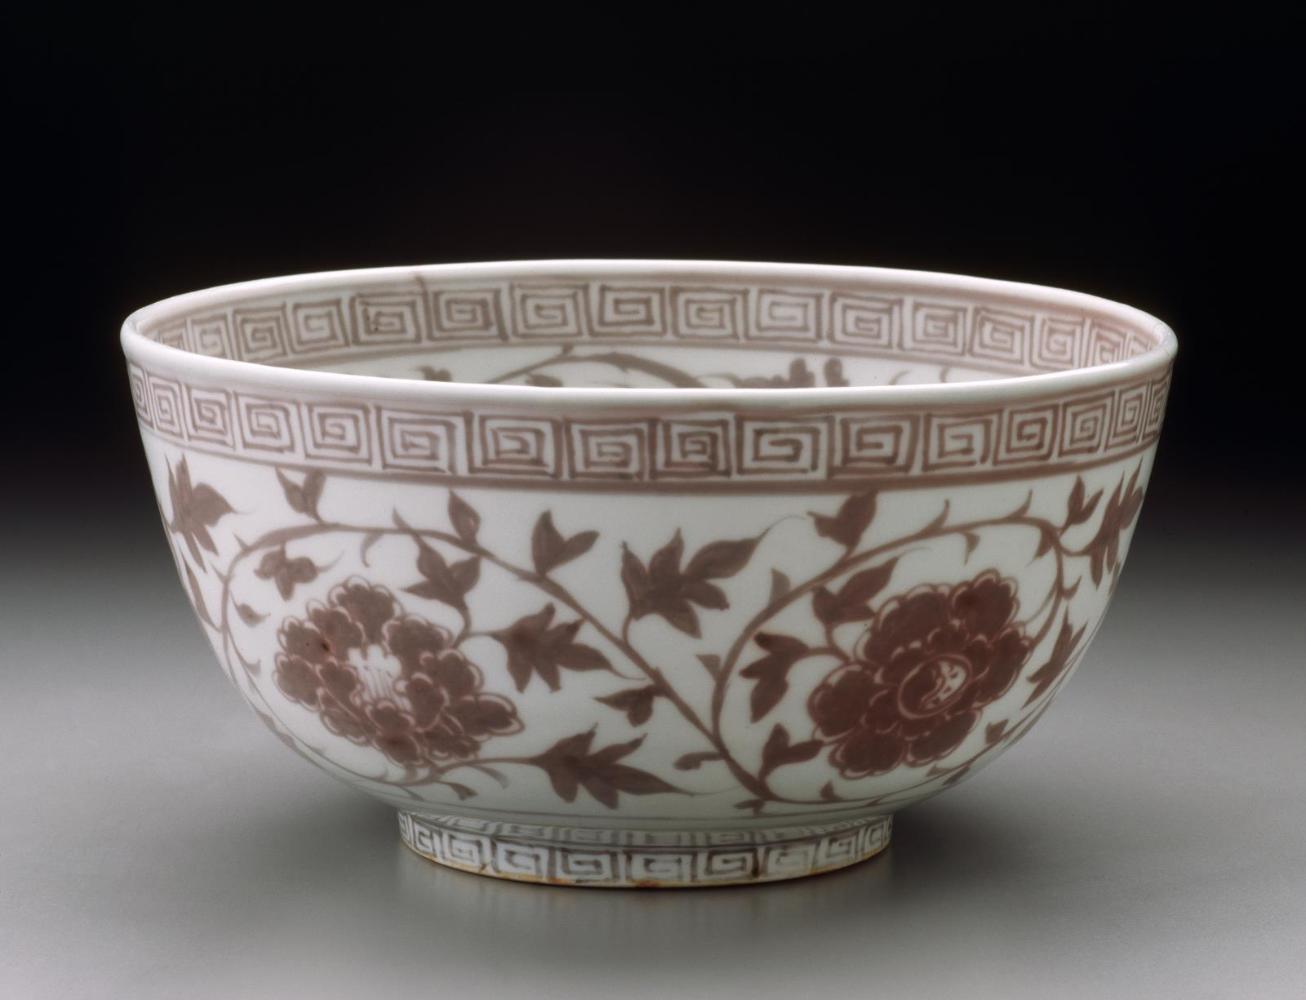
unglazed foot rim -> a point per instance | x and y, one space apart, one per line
622 859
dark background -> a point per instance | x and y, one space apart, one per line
1154 163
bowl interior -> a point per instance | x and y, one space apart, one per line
620 325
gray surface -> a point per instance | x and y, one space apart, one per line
1149 838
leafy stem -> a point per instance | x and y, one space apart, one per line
675 586
542 582
850 560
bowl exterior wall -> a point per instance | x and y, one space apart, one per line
692 619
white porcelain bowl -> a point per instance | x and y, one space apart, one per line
648 572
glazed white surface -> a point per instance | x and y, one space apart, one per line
721 595
644 523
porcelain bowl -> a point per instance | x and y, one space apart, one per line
648 573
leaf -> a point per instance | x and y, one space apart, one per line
834 376
615 778
825 606
494 773
272 561
576 546
1064 651
693 761
557 763
776 745
1023 509
972 540
664 567
369 540
778 751
719 560
197 597
1079 510
1047 538
680 616
771 672
536 646
780 586
663 588
579 657
711 661
549 549
540 379
1028 724
637 703
755 805
462 791
439 582
850 522
466 522
466 573
956 776
704 594
616 751
853 600
546 543
284 571
275 730
195 509
314 482
294 493
828 793
249 616
207 504
864 586
940 520
435 374
993 731
524 641
1121 510
634 577
570 766
1075 503
303 498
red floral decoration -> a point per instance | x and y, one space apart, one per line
920 675
393 681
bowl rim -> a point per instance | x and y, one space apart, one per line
218 370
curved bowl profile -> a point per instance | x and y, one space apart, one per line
648 572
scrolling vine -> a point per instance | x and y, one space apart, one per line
914 670
797 376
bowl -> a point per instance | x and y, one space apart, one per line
648 573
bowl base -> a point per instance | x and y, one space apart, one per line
625 859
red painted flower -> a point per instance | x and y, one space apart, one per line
930 661
393 681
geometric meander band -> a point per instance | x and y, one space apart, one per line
709 450
620 858
876 315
